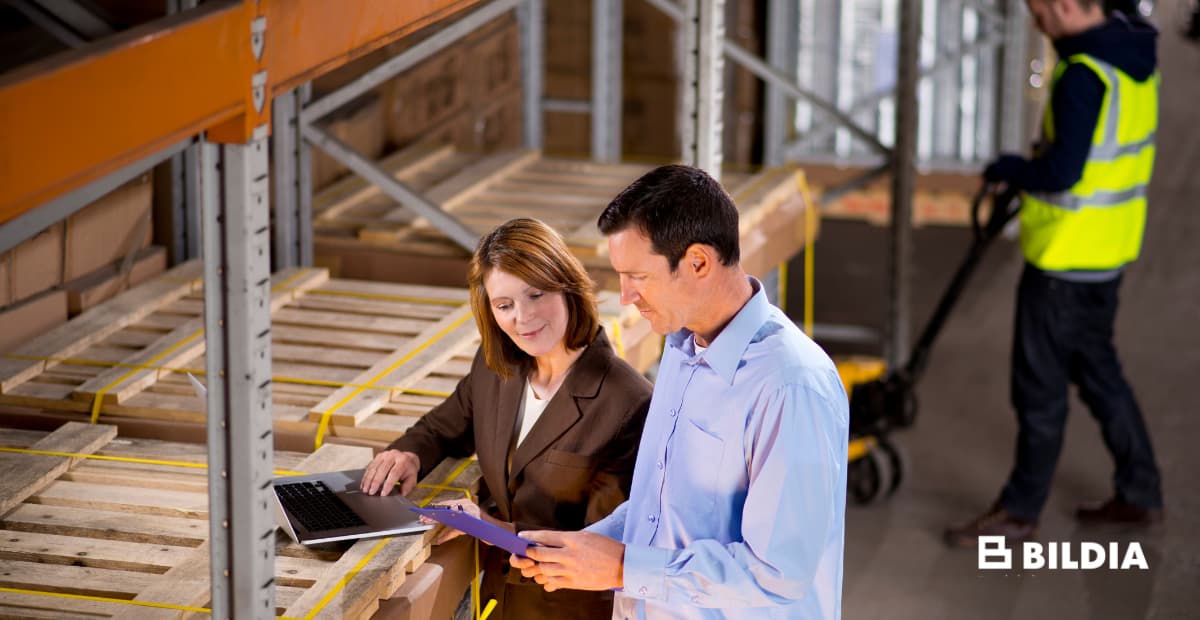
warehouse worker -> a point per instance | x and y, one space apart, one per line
1083 208
737 508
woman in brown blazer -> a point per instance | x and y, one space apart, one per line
553 414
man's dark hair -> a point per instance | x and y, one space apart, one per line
676 206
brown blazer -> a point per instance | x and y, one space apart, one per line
573 468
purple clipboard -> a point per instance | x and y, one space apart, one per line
476 527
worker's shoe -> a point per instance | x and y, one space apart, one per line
995 522
1116 511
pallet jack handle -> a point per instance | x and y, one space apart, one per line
1004 207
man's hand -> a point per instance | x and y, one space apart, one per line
1003 168
388 468
574 560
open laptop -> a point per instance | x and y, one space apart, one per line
327 507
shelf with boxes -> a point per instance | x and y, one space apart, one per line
360 232
79 262
126 534
355 360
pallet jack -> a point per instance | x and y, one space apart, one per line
883 400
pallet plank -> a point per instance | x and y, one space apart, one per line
98 323
95 553
183 344
438 343
22 475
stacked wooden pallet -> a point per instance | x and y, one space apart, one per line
361 233
128 538
358 360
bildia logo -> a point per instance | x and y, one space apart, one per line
995 555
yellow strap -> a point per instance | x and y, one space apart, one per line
328 413
341 583
129 459
276 378
810 231
616 337
100 394
395 298
324 600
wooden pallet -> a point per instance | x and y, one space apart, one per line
138 532
360 232
375 355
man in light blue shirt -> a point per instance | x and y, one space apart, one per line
738 502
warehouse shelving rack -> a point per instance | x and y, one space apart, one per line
204 88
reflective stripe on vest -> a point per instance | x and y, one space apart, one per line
1097 224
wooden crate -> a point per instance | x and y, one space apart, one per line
375 356
138 532
361 233
940 198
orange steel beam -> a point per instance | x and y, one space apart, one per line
81 115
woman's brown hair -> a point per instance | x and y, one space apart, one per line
535 253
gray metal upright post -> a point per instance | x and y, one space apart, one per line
1014 72
606 80
237 322
904 154
704 64
292 179
185 185
781 54
531 15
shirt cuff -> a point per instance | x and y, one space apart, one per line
645 572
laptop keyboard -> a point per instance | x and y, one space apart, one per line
316 507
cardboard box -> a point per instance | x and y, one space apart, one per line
650 126
32 318
425 96
106 282
652 43
110 228
358 124
497 125
566 133
494 55
36 264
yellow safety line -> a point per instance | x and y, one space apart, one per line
810 214
100 394
328 413
616 336
129 459
276 378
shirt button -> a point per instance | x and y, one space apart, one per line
660 464
651 518
696 600
673 412
643 591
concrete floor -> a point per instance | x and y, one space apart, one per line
961 448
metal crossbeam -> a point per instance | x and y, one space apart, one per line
406 59
606 80
401 193
69 21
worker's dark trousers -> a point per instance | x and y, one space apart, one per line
1064 334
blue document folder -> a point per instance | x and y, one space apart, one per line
483 530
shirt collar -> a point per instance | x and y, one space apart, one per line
724 353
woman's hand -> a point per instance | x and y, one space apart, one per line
469 507
388 468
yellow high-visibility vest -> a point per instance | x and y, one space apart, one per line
1097 224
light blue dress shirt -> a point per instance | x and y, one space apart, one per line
739 493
